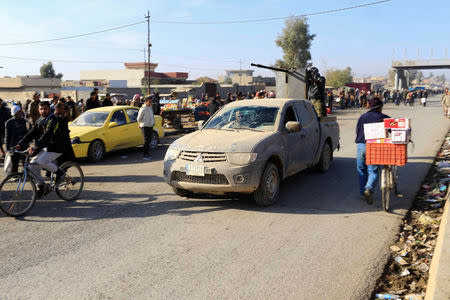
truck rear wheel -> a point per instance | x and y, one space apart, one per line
269 187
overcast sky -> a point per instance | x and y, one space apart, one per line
366 39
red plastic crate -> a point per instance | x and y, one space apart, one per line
386 154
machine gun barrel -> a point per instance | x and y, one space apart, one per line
271 68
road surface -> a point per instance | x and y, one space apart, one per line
131 237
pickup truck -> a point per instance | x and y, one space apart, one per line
249 147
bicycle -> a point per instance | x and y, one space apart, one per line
18 192
388 182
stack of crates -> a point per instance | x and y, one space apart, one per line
386 154
386 142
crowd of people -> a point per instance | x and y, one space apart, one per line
354 98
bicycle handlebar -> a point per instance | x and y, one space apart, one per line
21 152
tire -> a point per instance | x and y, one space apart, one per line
385 195
182 192
72 182
269 187
176 123
9 198
96 150
325 158
154 141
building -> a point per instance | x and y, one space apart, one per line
21 88
134 75
241 77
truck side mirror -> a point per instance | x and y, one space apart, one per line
293 126
200 124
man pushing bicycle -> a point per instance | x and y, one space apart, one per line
49 144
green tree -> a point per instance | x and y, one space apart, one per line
47 71
338 78
295 41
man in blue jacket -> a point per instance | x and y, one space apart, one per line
368 175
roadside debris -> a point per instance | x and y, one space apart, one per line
406 273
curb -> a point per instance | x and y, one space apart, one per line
438 286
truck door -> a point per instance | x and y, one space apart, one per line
293 143
310 133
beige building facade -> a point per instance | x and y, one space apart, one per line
21 88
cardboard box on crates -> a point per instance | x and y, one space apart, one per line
399 136
374 131
400 123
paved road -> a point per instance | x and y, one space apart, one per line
131 237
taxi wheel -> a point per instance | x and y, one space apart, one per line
154 141
96 150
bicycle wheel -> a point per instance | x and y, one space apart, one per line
17 196
71 183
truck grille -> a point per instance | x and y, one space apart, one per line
207 179
205 156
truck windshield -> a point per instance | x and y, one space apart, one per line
260 118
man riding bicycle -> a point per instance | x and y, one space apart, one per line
48 144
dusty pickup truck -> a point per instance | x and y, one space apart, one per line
249 146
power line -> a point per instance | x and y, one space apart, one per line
61 60
72 36
272 19
193 23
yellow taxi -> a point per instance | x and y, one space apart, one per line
107 129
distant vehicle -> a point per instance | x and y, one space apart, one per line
107 129
249 146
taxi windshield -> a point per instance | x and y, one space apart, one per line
258 118
91 118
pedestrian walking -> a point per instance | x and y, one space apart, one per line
445 101
368 175
15 130
146 122
33 111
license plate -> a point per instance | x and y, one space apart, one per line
195 170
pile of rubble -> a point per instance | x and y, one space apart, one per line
406 274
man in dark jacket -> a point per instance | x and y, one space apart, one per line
368 175
62 135
47 148
92 102
71 109
16 129
213 106
156 105
107 101
5 114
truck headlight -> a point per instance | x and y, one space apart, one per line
171 154
241 158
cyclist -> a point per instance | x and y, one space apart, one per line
368 175
46 147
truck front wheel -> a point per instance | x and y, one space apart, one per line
269 187
325 158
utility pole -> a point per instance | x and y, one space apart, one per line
148 53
